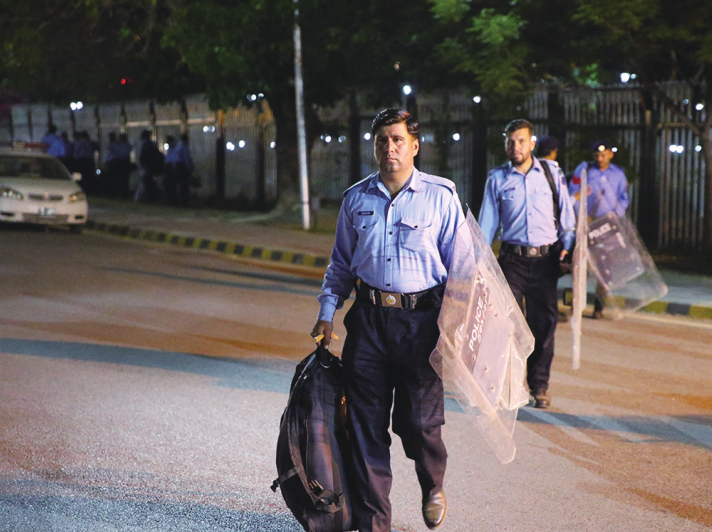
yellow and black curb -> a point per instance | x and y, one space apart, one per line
656 307
219 246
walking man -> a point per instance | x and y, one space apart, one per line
536 234
607 192
394 243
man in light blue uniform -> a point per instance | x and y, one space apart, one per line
607 192
55 145
536 235
394 244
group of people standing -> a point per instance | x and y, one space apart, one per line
114 178
394 244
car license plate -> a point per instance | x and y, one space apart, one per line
47 211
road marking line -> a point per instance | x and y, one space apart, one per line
559 423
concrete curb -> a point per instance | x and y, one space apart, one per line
305 259
661 307
219 246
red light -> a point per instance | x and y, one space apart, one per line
123 81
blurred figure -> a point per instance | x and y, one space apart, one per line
54 143
85 162
151 160
607 192
169 178
117 166
180 162
68 158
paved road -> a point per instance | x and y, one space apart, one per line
141 387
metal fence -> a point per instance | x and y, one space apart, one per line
459 140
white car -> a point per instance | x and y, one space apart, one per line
36 188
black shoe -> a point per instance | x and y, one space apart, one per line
434 510
541 400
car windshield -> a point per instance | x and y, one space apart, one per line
13 166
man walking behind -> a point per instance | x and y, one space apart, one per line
536 233
394 243
607 192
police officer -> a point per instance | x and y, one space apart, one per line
117 163
607 192
179 166
54 143
519 200
394 243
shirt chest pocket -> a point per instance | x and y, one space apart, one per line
509 194
416 234
366 228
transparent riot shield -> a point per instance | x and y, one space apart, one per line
484 341
579 274
627 276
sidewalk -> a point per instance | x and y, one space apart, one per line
263 236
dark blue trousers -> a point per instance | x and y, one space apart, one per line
533 282
386 358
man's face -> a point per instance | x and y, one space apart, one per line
395 149
519 145
603 158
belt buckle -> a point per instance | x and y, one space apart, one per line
533 252
389 300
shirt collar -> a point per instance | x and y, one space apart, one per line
536 165
414 183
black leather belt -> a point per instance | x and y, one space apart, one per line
526 251
427 299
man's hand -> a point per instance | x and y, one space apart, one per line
323 327
563 254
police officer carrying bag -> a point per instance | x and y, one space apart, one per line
313 448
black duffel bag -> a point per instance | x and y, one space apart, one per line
313 448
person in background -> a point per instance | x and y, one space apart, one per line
68 158
183 169
85 162
54 143
151 161
394 242
519 200
548 148
169 176
607 192
123 151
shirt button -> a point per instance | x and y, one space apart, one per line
389 284
389 260
390 232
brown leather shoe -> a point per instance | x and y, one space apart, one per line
541 400
434 510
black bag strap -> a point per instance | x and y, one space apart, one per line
554 193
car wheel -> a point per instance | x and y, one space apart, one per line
76 229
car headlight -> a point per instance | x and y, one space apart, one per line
10 193
77 196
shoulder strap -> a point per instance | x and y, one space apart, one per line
554 193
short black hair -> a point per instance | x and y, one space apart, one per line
517 124
391 116
546 145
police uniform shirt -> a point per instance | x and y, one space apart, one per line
609 189
522 205
400 245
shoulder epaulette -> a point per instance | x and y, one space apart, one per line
358 183
437 180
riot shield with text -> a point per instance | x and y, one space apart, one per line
484 341
627 276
